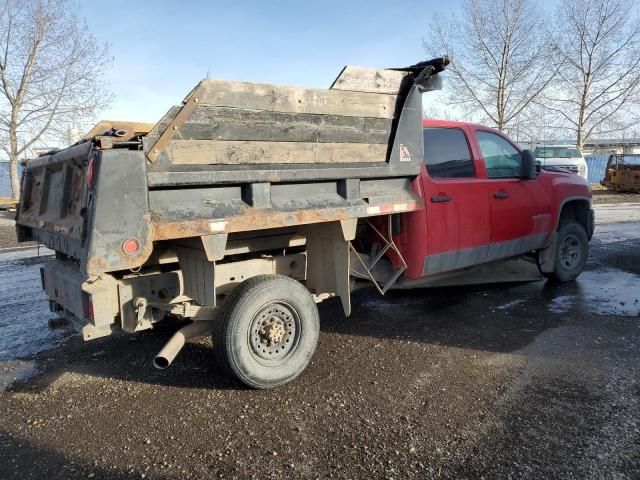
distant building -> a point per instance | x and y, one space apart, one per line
613 145
603 146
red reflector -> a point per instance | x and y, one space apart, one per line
131 246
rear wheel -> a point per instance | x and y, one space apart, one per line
269 331
571 252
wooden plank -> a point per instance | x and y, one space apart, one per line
161 126
190 103
277 98
204 152
223 123
105 125
363 79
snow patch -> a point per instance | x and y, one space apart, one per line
618 212
603 292
562 304
511 304
616 232
611 292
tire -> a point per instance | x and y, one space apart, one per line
571 252
268 331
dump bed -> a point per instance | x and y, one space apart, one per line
232 157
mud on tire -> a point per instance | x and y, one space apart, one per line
268 331
571 252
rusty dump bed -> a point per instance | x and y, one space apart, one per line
232 157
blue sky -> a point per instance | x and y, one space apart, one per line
163 48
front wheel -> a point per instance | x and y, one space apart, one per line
571 253
268 332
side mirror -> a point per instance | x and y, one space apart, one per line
528 166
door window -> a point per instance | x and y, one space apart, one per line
501 159
446 153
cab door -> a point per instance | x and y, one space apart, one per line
518 222
457 213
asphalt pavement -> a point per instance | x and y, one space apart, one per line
518 380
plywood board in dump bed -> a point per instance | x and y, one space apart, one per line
234 123
364 79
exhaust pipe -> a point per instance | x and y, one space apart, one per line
168 353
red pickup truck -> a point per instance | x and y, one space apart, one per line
480 207
247 204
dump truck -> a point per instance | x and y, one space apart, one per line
247 204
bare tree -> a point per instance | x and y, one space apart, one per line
435 107
50 74
500 57
599 91
538 125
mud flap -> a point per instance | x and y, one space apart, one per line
330 240
591 223
547 256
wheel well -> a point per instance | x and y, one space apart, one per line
575 210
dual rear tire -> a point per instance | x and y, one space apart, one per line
268 331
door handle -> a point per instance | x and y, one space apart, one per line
501 195
441 198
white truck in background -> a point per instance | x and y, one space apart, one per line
567 157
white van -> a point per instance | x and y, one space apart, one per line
568 157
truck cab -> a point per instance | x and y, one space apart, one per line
567 157
480 206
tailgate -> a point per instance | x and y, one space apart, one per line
53 200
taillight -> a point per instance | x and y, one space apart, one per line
89 307
91 169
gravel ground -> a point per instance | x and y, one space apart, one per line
607 196
8 231
7 236
527 380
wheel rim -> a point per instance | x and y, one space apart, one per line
275 333
570 254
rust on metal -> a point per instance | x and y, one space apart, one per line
623 173
165 137
258 219
97 264
62 216
274 332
